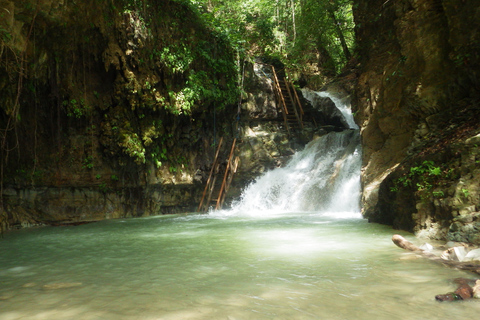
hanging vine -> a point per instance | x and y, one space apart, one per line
13 113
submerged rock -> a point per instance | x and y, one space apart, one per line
29 285
61 285
426 247
463 292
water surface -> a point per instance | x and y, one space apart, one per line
281 266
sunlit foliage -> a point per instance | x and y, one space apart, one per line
296 31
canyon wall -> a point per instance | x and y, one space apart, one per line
108 108
417 102
114 109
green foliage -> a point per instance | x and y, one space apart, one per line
103 188
438 194
325 32
88 162
426 176
5 35
461 59
196 58
133 146
29 176
198 55
296 31
158 154
427 167
76 108
177 57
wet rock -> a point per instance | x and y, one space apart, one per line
475 140
328 114
455 253
407 115
472 255
426 247
463 292
476 290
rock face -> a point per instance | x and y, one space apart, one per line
107 108
114 109
264 141
417 105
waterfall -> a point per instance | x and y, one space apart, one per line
343 105
324 177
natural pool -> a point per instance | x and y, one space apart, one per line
279 266
294 247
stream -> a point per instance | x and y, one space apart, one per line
294 246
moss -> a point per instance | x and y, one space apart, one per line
125 73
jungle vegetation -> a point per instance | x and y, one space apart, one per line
49 74
300 33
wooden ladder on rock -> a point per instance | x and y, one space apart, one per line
215 187
287 97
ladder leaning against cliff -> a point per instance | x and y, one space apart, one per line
230 170
290 103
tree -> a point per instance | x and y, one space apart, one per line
297 31
332 14
327 23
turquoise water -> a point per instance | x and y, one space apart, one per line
293 247
221 266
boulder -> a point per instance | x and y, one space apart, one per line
455 254
472 255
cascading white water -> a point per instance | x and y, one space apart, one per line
324 177
343 105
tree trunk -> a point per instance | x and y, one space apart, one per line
407 245
339 32
325 62
293 22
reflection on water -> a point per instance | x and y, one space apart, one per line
288 266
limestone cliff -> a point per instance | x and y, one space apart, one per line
108 108
417 101
114 109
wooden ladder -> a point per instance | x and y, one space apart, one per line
291 107
212 187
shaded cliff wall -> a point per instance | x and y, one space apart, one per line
417 105
114 109
108 108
